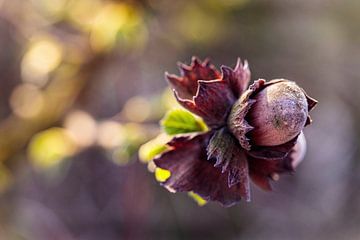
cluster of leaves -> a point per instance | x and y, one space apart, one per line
176 121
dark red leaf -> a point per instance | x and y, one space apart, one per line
191 171
272 152
261 170
212 102
238 78
231 158
187 83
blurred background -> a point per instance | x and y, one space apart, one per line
82 87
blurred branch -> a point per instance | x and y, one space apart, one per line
59 96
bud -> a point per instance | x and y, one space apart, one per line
278 115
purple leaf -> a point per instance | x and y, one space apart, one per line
231 158
187 83
238 78
191 171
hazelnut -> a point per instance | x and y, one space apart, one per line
278 115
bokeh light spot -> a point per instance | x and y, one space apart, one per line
135 133
83 12
110 134
106 25
48 148
82 127
121 156
42 57
26 101
137 109
53 9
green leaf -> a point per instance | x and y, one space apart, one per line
199 200
162 175
178 121
152 148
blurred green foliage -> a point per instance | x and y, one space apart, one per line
49 147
